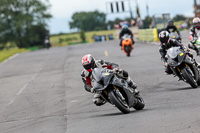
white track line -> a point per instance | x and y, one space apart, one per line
10 58
106 53
73 101
24 87
21 90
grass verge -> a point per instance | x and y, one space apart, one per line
74 38
4 54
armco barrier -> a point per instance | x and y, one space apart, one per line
150 35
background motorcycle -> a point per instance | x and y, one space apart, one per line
198 40
127 44
115 90
183 66
174 35
195 40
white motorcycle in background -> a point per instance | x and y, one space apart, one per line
195 40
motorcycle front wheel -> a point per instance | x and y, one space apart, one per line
189 78
118 102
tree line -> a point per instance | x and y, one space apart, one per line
23 22
92 21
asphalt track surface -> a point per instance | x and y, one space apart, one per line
42 92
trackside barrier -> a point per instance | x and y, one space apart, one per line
150 35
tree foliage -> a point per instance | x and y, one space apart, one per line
179 18
82 36
88 21
23 22
147 21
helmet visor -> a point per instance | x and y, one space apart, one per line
171 23
88 66
164 40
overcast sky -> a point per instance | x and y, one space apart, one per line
62 10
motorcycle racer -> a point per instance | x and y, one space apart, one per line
89 63
194 34
124 31
172 28
167 43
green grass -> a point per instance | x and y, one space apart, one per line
33 48
74 38
4 54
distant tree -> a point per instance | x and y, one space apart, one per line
88 21
82 36
23 22
179 18
147 21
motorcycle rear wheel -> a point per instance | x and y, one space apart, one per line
140 104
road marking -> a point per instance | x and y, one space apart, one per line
14 56
73 101
106 53
21 90
24 87
10 58
11 101
34 76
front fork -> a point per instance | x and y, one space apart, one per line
177 72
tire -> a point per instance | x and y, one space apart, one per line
140 104
128 50
189 78
198 82
119 104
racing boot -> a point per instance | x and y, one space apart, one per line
197 64
132 85
98 100
197 51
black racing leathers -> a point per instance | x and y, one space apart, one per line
163 48
123 32
172 28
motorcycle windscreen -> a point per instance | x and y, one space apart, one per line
126 37
97 78
106 79
172 52
181 57
101 78
176 56
173 35
97 73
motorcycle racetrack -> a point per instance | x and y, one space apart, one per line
42 92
